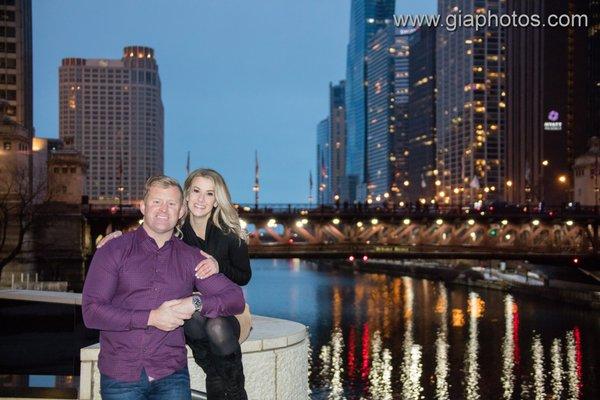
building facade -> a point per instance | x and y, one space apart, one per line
112 112
547 106
366 18
16 67
421 132
337 135
323 162
470 104
387 113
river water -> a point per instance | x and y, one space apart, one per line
375 336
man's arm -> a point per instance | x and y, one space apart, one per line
220 296
98 290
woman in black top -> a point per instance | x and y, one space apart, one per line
212 224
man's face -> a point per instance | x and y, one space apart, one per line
162 208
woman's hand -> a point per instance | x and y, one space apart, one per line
108 238
207 267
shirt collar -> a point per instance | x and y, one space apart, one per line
142 237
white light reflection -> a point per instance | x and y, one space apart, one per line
412 368
572 376
557 368
537 349
337 364
471 364
441 346
380 376
508 349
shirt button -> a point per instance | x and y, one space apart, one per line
156 289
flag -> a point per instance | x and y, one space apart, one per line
187 164
323 167
256 168
423 183
474 183
310 181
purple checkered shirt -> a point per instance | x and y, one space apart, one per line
130 276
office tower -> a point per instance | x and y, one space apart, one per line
111 111
546 105
16 88
337 140
16 78
422 172
470 104
366 18
387 110
594 67
323 161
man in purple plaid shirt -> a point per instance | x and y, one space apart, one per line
138 292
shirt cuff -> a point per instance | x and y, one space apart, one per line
139 319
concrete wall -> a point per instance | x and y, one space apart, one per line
275 358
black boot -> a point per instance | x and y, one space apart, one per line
215 388
231 371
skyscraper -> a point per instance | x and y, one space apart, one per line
366 18
111 111
594 67
323 161
16 101
337 136
422 172
387 102
16 79
546 129
470 103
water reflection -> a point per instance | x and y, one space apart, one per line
411 368
537 350
508 348
441 345
556 369
475 310
381 337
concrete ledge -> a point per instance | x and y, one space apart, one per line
275 358
41 296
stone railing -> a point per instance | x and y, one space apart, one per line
275 358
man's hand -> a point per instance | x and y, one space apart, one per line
207 267
170 315
108 238
185 307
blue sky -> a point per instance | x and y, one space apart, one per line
237 76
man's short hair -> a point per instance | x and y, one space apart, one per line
162 181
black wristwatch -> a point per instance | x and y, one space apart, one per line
197 302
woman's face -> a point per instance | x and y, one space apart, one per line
201 198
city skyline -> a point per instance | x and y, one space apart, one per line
291 89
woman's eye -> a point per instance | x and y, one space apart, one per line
210 194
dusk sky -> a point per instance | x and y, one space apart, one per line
237 76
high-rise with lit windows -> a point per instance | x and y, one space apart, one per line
547 108
16 78
421 141
111 111
366 18
470 103
387 112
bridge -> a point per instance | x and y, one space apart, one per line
554 235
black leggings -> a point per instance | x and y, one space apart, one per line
221 334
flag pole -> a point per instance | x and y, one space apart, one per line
256 187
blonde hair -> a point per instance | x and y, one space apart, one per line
225 216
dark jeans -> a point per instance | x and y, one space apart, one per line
173 387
